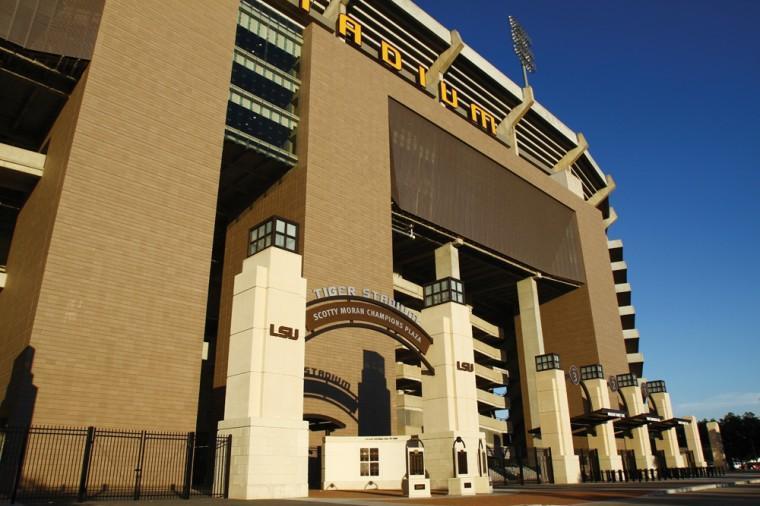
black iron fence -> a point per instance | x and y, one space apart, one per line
508 466
90 463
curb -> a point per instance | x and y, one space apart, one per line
709 486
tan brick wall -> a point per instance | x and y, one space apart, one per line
31 239
118 328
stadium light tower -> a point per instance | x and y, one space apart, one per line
522 45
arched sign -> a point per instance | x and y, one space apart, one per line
343 311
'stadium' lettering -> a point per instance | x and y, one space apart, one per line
483 118
351 31
390 55
449 95
348 25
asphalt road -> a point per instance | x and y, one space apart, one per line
744 495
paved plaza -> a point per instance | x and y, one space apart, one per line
733 489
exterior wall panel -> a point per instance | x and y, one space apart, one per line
118 328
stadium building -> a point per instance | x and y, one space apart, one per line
327 228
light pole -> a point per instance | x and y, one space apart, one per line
522 46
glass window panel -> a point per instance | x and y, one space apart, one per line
364 469
445 296
374 469
436 298
269 227
364 454
428 300
373 454
267 241
280 226
290 244
291 230
279 240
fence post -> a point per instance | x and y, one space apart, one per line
522 471
86 457
189 454
227 463
18 476
138 469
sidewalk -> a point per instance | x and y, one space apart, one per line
513 495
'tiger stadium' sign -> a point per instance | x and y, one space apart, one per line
351 31
342 311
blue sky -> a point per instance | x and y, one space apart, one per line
666 93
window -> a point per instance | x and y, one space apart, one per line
547 362
444 290
273 232
369 461
593 371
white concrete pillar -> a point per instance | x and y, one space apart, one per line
449 398
554 420
447 261
694 443
669 442
264 397
532 340
604 439
639 442
716 444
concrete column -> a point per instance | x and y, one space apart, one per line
449 398
554 418
604 440
669 441
263 408
569 181
447 262
532 340
639 442
693 442
716 444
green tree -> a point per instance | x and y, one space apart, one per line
741 436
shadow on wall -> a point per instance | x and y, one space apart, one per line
18 404
16 410
374 397
336 394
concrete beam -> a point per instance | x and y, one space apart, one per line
334 9
603 193
572 156
22 160
506 129
443 62
612 218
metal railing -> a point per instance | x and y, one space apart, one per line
89 464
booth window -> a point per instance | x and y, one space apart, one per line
369 461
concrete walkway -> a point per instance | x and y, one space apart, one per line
598 494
